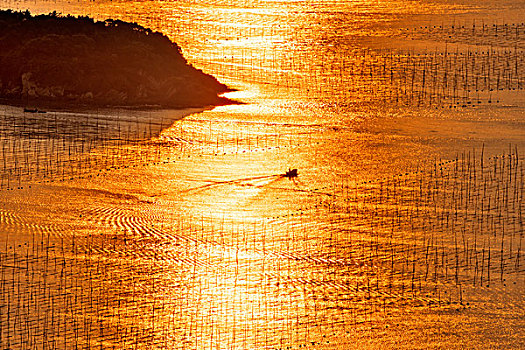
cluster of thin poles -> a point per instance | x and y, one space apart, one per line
131 279
52 147
496 34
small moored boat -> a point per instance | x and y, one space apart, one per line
33 110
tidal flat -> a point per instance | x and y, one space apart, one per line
177 229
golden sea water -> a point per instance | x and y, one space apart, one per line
176 229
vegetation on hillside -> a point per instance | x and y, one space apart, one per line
50 59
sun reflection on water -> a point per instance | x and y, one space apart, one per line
189 237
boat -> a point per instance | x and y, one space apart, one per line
291 173
33 110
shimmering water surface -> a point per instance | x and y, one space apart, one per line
176 229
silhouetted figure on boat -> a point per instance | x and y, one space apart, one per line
291 173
